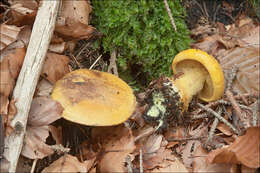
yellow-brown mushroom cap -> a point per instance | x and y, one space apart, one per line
214 85
94 98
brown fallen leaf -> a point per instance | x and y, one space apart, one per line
117 142
174 165
66 163
11 61
74 19
237 47
4 104
245 150
200 163
56 133
44 88
247 60
153 143
178 133
23 12
224 129
55 67
8 34
43 112
9 117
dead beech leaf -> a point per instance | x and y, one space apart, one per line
43 112
74 19
245 150
44 88
200 163
77 10
55 67
248 63
35 147
178 133
25 34
56 133
58 47
157 159
117 142
9 117
174 166
4 104
70 29
153 143
8 34
23 12
224 129
11 60
66 163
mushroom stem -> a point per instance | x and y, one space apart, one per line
192 80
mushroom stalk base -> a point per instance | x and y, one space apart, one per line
191 82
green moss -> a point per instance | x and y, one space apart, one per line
141 32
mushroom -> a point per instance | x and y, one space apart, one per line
94 98
199 74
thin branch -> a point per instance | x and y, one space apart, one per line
219 117
95 62
112 65
184 139
34 165
235 105
170 14
141 160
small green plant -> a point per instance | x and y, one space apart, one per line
141 32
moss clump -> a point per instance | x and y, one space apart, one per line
141 32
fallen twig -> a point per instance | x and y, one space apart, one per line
235 105
95 62
213 127
170 14
26 83
112 64
141 160
34 165
184 139
129 164
219 117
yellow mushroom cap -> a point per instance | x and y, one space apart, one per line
214 85
94 98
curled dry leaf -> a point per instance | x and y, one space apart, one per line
200 163
245 150
66 163
117 142
55 67
43 112
73 20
